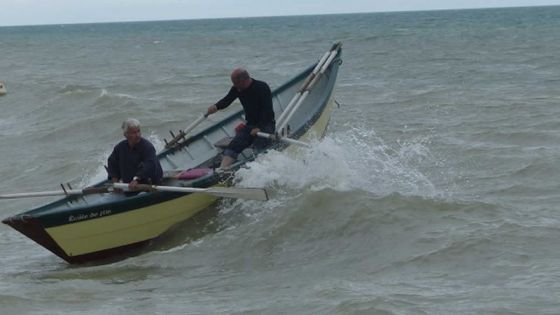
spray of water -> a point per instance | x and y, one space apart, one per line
354 159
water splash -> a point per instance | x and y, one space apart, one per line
354 159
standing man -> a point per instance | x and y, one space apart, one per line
256 98
134 160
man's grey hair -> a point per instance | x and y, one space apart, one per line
130 123
242 74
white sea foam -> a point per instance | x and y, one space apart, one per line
355 159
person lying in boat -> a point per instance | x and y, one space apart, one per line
134 160
256 99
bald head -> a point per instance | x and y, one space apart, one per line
240 79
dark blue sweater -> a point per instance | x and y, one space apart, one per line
140 160
256 101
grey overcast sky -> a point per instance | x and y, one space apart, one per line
31 12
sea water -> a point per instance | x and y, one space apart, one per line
435 190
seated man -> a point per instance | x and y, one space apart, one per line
134 160
256 98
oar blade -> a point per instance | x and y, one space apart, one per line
237 192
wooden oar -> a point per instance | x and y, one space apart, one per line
67 192
183 133
283 139
313 73
227 192
308 84
194 124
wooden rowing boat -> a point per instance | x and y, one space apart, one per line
98 223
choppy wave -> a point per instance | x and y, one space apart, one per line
109 99
434 191
73 89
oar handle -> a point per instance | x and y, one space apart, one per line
139 187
